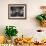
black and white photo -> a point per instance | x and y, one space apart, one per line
17 11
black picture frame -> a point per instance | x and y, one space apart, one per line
17 11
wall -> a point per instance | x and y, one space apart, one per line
26 27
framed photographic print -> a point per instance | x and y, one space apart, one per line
16 11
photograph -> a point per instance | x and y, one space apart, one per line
17 11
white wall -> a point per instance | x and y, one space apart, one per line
25 27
